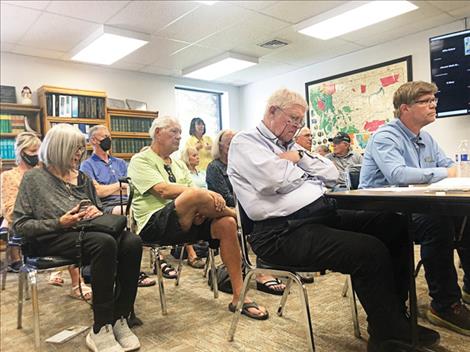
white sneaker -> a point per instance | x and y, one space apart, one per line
103 341
124 335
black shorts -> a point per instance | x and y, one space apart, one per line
164 228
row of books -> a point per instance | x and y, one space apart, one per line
130 124
12 123
129 145
75 106
83 127
7 148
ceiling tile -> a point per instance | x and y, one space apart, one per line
150 16
161 71
127 66
448 5
463 12
204 21
15 21
253 29
37 5
253 5
94 11
156 50
38 52
57 32
297 11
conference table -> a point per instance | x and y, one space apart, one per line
407 200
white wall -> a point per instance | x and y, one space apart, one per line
447 131
156 91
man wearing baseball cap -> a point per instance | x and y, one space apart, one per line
343 157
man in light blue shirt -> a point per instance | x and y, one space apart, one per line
281 187
401 153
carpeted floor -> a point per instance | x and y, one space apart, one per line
197 322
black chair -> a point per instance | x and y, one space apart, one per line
28 277
156 248
245 227
353 174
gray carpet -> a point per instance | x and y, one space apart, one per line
197 322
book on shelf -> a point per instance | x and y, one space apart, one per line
7 148
75 106
13 123
130 124
129 145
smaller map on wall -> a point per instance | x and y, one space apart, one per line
356 102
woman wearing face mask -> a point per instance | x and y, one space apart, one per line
26 150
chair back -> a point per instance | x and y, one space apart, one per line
353 174
245 227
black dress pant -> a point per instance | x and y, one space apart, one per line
115 266
371 247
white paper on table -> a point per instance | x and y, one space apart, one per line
396 189
451 184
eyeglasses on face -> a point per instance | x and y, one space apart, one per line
296 121
171 175
429 101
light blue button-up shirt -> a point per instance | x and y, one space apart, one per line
396 156
268 186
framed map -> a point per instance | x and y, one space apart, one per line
356 102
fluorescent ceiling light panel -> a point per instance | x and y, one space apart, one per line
108 45
352 16
220 66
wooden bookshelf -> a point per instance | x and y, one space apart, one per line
83 108
129 130
27 119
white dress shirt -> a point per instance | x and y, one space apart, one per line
268 186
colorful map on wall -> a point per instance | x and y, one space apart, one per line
356 102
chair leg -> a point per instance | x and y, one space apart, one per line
161 288
32 277
4 278
282 304
21 288
153 261
211 259
238 311
206 267
180 265
344 293
353 304
306 310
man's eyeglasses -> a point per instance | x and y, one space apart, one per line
171 175
427 101
293 120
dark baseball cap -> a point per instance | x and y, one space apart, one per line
340 137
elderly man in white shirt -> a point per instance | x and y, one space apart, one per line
281 187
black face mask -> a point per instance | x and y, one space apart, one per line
31 160
105 144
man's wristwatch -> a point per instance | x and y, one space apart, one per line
301 153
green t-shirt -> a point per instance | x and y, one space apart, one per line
146 170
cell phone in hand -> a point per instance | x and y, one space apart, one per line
84 203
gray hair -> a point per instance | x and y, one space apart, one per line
24 141
59 146
215 151
95 129
161 122
185 154
284 98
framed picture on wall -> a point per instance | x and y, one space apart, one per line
356 102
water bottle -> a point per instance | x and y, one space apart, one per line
462 159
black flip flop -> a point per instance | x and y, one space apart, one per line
245 311
267 287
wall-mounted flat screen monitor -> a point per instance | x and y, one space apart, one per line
450 70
